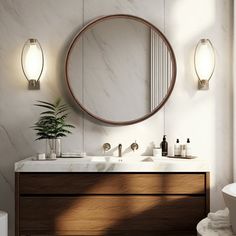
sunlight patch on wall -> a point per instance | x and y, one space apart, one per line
191 18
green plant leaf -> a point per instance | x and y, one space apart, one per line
69 126
63 106
60 135
58 101
47 118
61 111
47 112
44 106
47 103
52 122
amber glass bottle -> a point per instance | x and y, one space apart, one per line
164 146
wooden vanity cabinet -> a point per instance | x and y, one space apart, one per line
110 203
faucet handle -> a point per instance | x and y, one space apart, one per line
106 147
134 146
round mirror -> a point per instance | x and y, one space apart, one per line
120 69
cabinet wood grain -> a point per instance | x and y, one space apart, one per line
112 183
105 213
110 204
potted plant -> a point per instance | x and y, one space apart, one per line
52 126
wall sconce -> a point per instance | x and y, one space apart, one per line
204 63
32 62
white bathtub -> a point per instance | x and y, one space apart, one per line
229 193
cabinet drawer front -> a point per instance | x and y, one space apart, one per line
93 183
110 213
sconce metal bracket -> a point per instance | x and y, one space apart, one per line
203 84
34 85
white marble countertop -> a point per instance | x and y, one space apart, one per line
113 164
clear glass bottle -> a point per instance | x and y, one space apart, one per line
177 150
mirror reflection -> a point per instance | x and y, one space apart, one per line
120 69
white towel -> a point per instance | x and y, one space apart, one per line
216 225
219 215
219 220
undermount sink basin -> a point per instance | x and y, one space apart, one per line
112 159
163 163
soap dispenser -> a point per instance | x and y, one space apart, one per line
177 149
164 146
188 148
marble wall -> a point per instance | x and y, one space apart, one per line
203 116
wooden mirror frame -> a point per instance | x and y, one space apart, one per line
172 56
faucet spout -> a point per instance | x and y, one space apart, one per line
120 150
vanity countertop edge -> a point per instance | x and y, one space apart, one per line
86 164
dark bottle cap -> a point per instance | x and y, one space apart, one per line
188 140
164 137
177 141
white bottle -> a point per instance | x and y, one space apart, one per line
183 150
188 148
177 150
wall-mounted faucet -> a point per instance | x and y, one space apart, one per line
106 147
120 150
134 146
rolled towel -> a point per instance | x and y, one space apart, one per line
215 225
219 215
223 221
219 220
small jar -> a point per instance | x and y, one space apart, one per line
157 152
41 156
